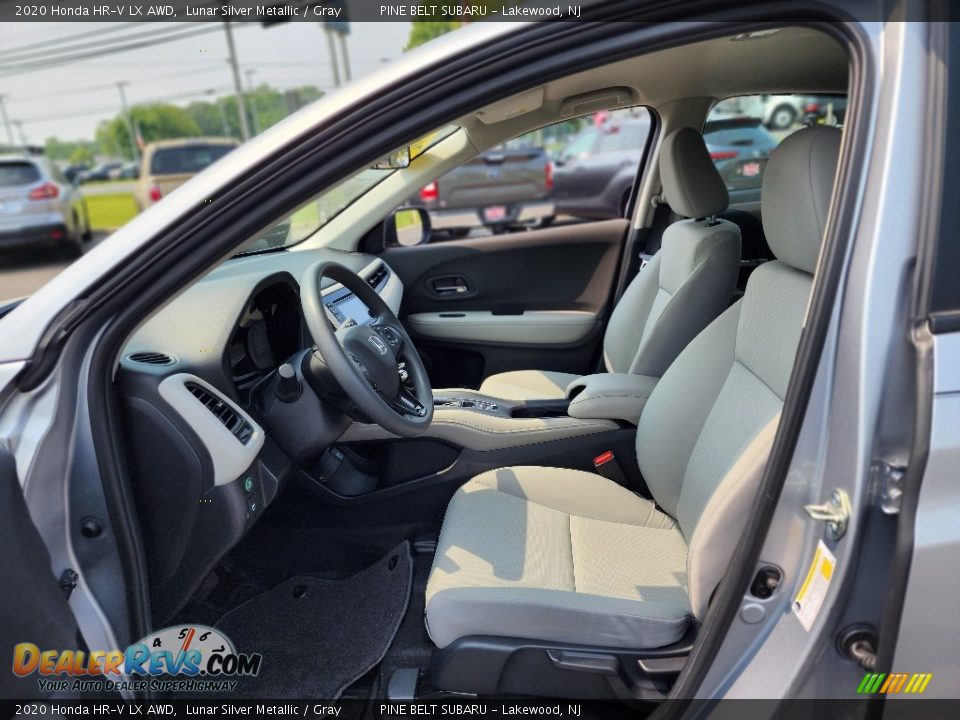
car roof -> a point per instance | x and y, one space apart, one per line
187 142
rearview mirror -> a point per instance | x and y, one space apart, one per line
396 160
407 227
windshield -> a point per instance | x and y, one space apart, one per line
318 211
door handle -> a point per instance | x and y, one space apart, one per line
451 285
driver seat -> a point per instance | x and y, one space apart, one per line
570 557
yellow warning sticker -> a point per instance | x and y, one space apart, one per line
806 606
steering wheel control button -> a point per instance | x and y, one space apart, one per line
390 335
248 484
252 506
288 387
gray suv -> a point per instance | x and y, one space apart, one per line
39 205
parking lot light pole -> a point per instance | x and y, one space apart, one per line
126 116
6 121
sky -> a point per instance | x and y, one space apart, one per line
68 101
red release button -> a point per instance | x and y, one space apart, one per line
603 458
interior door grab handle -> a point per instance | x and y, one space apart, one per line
453 285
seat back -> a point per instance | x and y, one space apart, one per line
691 279
707 429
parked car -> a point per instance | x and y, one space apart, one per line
127 171
740 148
100 173
594 174
73 172
39 205
776 112
168 164
510 186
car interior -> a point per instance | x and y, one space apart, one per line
498 464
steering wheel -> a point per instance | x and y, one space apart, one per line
368 360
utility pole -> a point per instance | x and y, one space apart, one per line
346 58
20 132
334 63
126 116
254 110
6 120
237 87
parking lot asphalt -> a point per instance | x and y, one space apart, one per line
25 270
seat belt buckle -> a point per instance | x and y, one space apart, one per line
606 464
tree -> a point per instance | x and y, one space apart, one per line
422 31
266 106
73 151
82 155
158 121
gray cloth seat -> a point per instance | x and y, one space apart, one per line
685 285
571 557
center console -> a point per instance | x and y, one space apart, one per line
471 420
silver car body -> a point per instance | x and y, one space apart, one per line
58 217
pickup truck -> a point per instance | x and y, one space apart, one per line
505 188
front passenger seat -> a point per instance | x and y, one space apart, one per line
566 556
685 286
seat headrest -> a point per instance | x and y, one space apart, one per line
795 198
691 183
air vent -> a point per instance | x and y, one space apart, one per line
378 276
231 419
151 358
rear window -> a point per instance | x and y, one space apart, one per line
13 174
187 159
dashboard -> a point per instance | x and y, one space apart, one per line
202 466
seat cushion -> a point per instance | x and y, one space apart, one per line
528 385
559 555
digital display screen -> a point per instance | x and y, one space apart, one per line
349 307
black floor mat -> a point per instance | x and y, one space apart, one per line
318 636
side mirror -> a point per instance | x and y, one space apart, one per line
396 160
407 227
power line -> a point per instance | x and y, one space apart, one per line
110 86
20 69
70 38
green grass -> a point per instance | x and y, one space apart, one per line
110 211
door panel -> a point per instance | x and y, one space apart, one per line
535 299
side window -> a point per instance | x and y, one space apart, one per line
742 131
574 171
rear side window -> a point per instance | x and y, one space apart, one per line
188 159
621 137
13 174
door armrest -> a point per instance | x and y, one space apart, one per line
610 396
